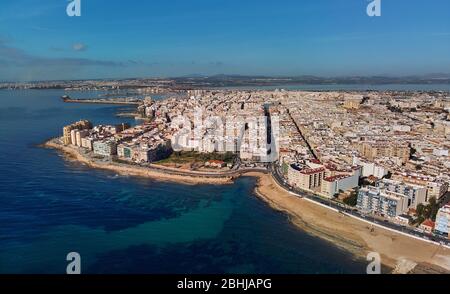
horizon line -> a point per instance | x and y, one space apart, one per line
427 76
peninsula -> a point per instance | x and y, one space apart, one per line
368 171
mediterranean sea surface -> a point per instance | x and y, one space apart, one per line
50 207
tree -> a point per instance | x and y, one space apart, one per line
418 220
351 200
285 168
420 208
388 175
434 208
428 211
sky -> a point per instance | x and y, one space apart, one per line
167 38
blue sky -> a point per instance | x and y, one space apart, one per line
135 38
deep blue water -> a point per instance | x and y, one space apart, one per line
50 207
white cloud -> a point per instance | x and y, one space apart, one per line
79 47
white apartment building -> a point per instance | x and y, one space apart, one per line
370 168
305 178
333 185
384 203
416 194
443 221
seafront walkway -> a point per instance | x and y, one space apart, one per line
89 157
352 212
330 204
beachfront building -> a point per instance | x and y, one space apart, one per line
335 184
305 177
152 153
436 187
88 143
82 134
79 136
106 147
427 226
69 137
403 219
443 221
148 147
416 194
383 203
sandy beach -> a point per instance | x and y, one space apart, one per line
397 251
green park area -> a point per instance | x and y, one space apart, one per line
186 157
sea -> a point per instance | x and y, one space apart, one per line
50 207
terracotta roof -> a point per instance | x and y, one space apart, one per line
428 223
335 178
312 171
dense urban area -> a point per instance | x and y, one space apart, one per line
384 154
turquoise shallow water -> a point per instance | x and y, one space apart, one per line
50 207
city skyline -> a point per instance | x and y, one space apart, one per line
225 144
38 41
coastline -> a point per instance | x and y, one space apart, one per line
73 154
399 253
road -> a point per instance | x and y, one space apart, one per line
281 181
342 208
231 173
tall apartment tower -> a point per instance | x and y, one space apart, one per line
80 125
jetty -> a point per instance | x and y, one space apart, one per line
119 101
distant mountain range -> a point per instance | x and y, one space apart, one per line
224 80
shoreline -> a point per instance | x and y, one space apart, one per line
399 253
73 154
